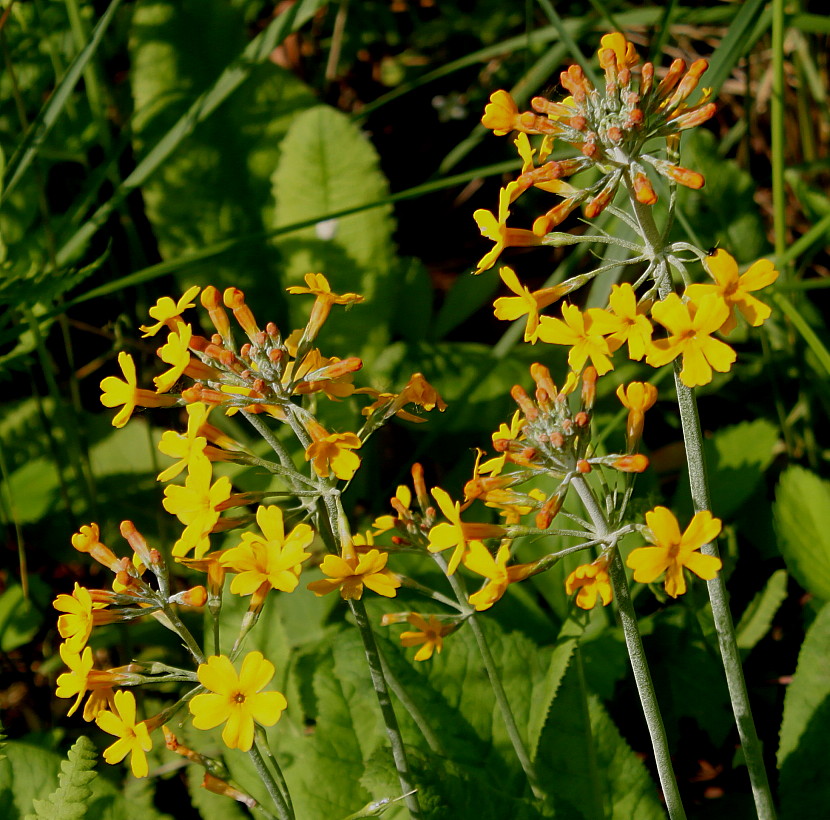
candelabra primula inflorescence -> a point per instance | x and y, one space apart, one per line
613 129
542 453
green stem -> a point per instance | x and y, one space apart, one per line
283 810
418 718
690 422
637 656
393 731
262 743
184 633
753 753
779 204
495 682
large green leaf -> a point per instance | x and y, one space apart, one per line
590 769
327 164
802 753
215 185
802 522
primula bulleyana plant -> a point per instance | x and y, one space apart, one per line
618 131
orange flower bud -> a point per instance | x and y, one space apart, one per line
583 466
631 464
643 189
212 302
235 300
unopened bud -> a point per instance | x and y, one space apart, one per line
583 466
631 464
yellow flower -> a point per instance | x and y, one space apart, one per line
175 353
166 311
195 505
317 285
624 52
88 541
187 448
495 228
633 327
133 738
274 560
501 114
672 551
429 635
480 560
691 325
583 332
236 700
736 290
81 677
637 397
352 572
525 302
593 582
456 533
332 452
126 392
76 625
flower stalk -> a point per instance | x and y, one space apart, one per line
636 655
721 615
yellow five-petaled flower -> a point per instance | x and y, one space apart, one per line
237 700
133 738
351 572
270 559
672 551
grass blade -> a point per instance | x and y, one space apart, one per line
49 114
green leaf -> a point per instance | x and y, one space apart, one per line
325 778
20 619
590 770
34 488
327 164
38 131
801 513
802 753
757 618
203 102
180 50
736 457
557 667
71 799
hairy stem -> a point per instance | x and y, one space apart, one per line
637 656
283 809
495 682
690 421
393 731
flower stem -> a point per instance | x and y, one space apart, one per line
753 753
262 743
637 656
283 810
393 731
495 683
690 422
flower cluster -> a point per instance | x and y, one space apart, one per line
611 128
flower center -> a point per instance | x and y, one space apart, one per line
238 697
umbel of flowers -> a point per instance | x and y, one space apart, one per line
611 128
